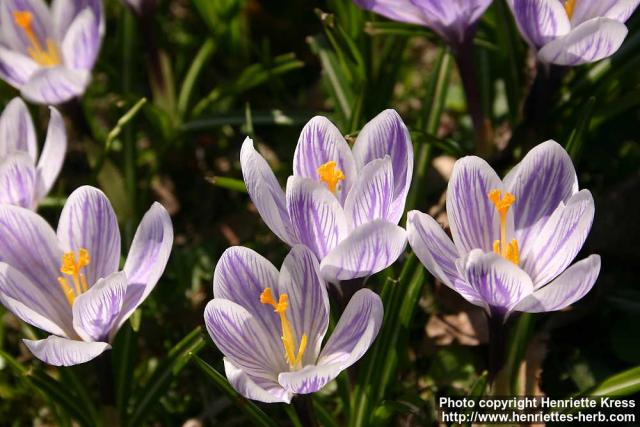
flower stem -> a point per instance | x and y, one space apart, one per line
303 404
497 345
107 391
481 123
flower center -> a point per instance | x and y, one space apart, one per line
288 341
71 267
330 175
48 57
509 250
569 5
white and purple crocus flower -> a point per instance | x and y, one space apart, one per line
68 283
453 20
573 32
48 53
342 203
25 180
270 325
513 239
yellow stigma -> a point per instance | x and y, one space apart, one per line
46 58
288 341
330 175
509 250
72 266
569 5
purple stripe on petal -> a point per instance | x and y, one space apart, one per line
540 21
82 41
372 195
255 388
18 180
566 289
16 68
53 153
59 351
16 130
370 248
55 85
316 215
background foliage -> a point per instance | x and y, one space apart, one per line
213 71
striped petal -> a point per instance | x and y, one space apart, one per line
472 217
81 43
543 180
397 10
88 222
353 335
16 130
370 248
41 23
371 197
317 218
53 153
560 240
65 12
265 192
321 142
58 351
540 21
308 310
147 259
243 340
565 290
18 180
255 388
29 244
27 301
96 311
16 68
590 41
619 10
500 283
437 253
387 135
55 85
241 276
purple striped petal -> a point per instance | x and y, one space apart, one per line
371 197
437 253
565 290
18 180
243 340
88 222
147 259
255 388
16 130
453 19
16 68
55 85
41 24
241 276
96 311
81 43
560 240
320 142
397 10
64 12
590 41
308 311
59 351
619 10
266 193
540 182
24 299
370 248
500 283
309 379
316 215
387 135
472 217
29 244
356 330
540 21
53 153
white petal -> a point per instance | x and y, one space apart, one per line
96 311
18 180
255 388
16 130
81 43
53 153
59 351
55 85
371 197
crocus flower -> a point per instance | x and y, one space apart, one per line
573 32
270 325
68 284
23 182
47 53
512 239
343 204
453 20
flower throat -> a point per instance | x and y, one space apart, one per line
508 250
48 57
